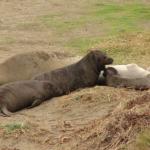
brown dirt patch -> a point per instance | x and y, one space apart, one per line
71 120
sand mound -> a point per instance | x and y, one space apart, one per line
99 118
119 128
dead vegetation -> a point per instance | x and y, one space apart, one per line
118 130
99 118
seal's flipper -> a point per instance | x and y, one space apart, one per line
5 111
3 115
36 103
101 79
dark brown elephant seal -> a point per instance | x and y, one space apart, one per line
25 65
21 94
114 79
82 74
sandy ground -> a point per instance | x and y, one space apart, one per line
55 123
17 39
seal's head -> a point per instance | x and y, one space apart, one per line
110 71
100 59
107 73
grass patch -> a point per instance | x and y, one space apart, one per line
128 19
117 17
12 127
128 48
61 23
118 27
125 48
30 26
142 141
7 40
83 44
114 19
122 18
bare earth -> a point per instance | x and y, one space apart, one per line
63 123
55 124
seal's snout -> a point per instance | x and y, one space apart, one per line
109 61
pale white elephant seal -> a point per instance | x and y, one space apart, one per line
131 71
129 76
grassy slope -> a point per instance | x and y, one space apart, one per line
100 22
120 28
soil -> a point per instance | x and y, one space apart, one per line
64 122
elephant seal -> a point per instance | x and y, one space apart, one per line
82 74
25 65
21 94
130 71
114 79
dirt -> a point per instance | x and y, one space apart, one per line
63 122
80 120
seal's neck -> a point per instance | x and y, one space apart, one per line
90 63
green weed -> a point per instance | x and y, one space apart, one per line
7 40
83 44
142 141
9 128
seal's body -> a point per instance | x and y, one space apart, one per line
82 74
114 79
131 71
21 94
26 65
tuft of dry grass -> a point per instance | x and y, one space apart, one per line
119 129
128 48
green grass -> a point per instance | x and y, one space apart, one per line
128 48
9 128
7 40
143 141
31 26
118 18
83 44
60 23
114 19
118 28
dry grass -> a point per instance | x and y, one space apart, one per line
72 25
129 48
119 130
